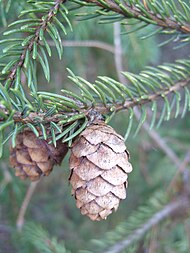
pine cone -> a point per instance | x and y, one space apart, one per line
33 157
99 166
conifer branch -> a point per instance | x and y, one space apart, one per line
39 29
153 97
134 10
171 208
34 39
99 106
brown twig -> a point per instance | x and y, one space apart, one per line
143 151
85 43
118 52
131 10
24 206
180 204
181 168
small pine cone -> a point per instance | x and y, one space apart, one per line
33 157
99 167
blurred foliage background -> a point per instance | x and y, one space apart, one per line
52 217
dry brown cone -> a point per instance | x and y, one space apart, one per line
99 167
33 157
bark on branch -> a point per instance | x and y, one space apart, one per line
168 22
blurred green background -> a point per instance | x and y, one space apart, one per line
52 208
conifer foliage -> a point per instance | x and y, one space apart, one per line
42 124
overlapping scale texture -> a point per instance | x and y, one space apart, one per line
33 157
99 170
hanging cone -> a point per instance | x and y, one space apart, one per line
99 170
33 157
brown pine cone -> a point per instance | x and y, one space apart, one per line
33 157
99 167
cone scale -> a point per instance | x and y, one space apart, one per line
99 170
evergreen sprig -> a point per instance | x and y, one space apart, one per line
69 113
26 42
108 96
171 17
41 240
